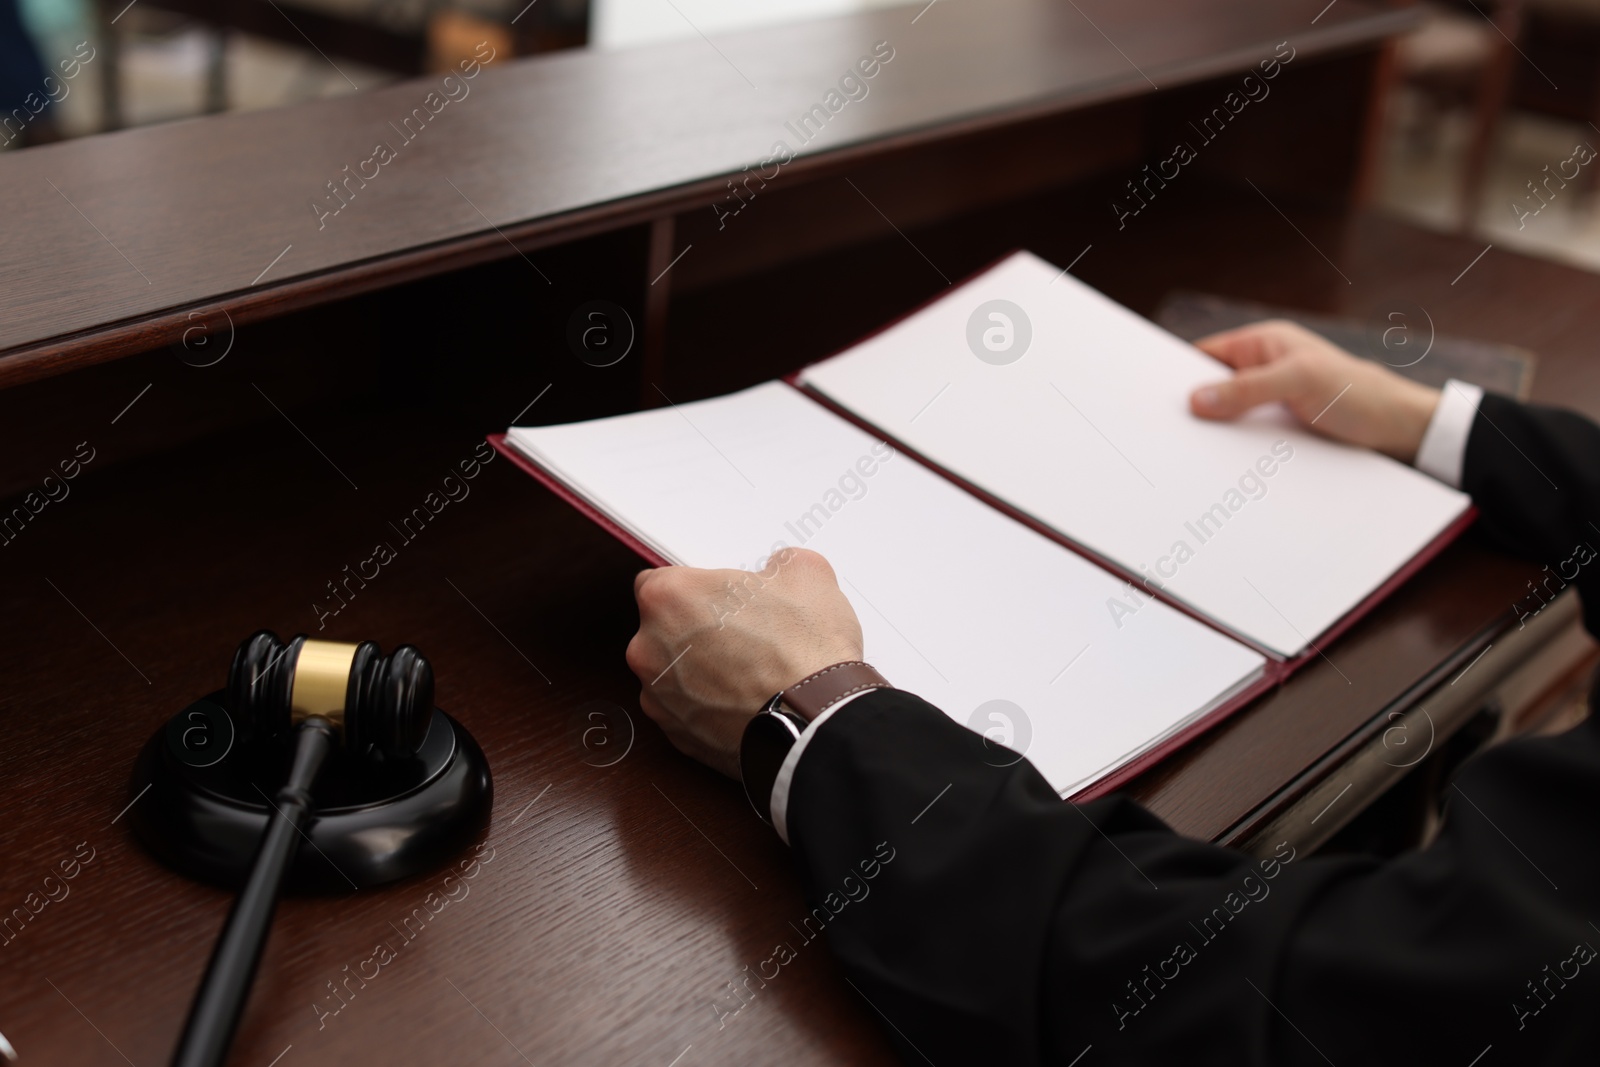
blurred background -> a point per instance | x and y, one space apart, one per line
1492 114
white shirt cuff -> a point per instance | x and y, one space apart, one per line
780 786
1444 443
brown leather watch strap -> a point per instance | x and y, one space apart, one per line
813 695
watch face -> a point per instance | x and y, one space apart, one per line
767 741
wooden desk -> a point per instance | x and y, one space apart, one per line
627 885
193 217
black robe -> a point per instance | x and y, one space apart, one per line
988 922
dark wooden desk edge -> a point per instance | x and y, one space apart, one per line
1367 757
1245 830
117 339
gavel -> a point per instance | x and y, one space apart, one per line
316 695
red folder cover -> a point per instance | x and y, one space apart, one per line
1274 673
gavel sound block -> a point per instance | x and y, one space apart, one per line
404 786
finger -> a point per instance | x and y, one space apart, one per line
640 578
1243 347
1249 388
1256 343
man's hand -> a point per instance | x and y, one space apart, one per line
713 646
1280 361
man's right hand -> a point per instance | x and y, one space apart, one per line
752 635
1280 361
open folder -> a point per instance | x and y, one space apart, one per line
1036 534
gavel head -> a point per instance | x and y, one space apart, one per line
375 702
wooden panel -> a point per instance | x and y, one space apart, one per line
913 189
124 228
1305 95
471 341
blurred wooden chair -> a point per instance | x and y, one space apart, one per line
1464 58
1486 56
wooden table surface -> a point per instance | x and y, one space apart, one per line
135 229
627 885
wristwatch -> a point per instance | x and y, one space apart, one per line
780 722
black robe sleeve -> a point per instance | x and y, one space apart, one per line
987 922
1535 475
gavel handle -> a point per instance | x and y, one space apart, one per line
220 1001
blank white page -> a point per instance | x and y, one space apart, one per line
1089 432
959 603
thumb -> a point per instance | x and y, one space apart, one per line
1249 388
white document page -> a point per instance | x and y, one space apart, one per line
1260 525
959 603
